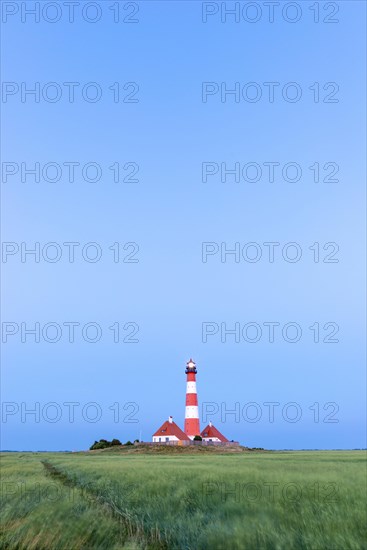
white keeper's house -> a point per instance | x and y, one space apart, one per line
210 433
169 431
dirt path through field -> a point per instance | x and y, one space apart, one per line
138 537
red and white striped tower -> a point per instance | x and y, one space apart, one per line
192 425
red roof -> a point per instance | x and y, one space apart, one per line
171 428
210 431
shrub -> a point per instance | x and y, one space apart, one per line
104 444
101 444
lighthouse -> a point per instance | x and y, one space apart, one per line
192 425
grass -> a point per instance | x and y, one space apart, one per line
290 500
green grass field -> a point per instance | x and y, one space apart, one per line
110 500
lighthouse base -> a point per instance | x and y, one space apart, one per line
192 425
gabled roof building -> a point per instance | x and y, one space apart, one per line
210 433
169 431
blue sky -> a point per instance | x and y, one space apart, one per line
170 292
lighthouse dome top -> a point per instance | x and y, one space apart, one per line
190 366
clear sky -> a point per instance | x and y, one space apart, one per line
168 291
